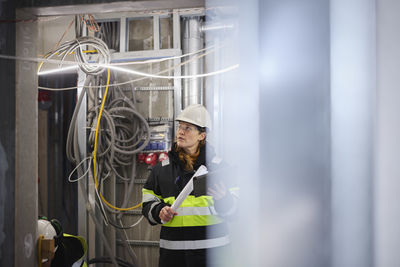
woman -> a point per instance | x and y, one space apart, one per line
197 228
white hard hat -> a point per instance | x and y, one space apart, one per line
196 114
46 229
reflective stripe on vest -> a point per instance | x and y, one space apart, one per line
184 211
234 191
149 195
192 201
193 220
78 263
149 215
194 211
194 244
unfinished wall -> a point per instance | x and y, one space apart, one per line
26 164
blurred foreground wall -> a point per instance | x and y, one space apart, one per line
316 99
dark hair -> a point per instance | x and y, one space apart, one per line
187 159
201 129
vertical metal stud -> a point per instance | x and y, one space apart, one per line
177 71
123 36
156 32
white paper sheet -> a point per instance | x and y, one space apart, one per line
188 188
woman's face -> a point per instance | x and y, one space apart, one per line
189 137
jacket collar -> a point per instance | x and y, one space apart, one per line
201 159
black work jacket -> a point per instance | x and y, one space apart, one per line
199 218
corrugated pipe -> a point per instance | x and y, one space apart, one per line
193 40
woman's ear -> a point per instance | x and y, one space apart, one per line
202 136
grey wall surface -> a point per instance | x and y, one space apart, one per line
353 72
313 63
7 134
294 47
387 183
275 123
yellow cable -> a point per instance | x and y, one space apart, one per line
95 152
41 63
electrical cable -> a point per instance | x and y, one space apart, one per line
65 32
73 121
76 46
77 166
129 189
101 206
90 23
119 148
126 244
151 76
126 227
76 158
95 152
123 137
125 238
45 58
91 68
116 101
98 225
116 132
158 60
113 143
73 154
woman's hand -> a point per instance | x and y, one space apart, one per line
218 191
166 214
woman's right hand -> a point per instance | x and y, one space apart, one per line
166 214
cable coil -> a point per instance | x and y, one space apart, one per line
77 47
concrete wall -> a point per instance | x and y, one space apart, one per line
26 163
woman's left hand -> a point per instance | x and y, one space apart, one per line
218 191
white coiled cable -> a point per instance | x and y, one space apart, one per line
78 46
